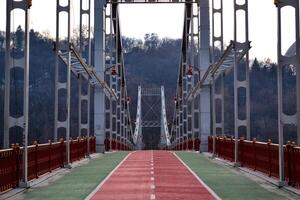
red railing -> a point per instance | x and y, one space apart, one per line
115 145
190 144
261 156
42 158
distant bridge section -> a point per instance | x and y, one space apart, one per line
154 100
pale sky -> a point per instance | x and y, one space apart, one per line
167 21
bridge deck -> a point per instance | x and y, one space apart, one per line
152 175
172 180
77 184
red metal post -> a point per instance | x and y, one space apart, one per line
49 155
289 170
16 148
232 142
295 173
62 152
36 159
242 151
269 157
254 152
78 148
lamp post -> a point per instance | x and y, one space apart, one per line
189 74
175 122
113 74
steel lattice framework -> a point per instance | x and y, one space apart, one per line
186 123
117 112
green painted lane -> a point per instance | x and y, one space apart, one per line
226 182
80 182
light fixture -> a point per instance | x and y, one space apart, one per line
114 72
128 100
189 72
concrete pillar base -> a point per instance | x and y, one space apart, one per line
282 184
67 166
236 164
24 184
100 148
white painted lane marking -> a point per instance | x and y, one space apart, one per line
152 186
198 178
106 178
152 197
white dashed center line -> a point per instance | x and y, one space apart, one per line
152 197
152 186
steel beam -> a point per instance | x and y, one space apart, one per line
284 61
82 47
204 63
23 63
217 38
238 83
66 85
99 64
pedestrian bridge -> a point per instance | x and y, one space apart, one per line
195 158
151 175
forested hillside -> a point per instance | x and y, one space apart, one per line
151 62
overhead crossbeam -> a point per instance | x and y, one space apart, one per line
151 92
225 63
79 67
151 124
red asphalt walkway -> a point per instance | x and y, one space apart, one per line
152 175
